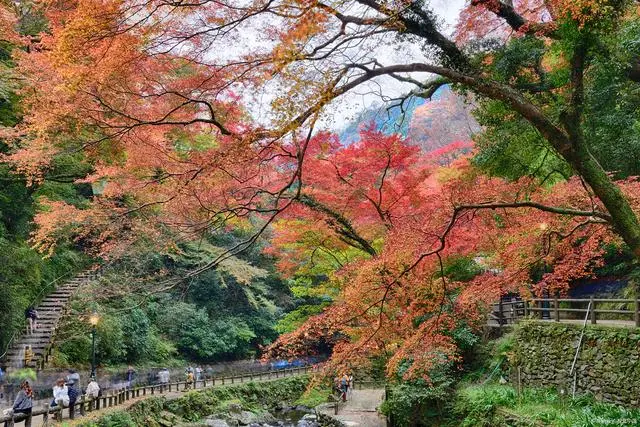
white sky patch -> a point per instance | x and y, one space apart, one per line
346 109
385 49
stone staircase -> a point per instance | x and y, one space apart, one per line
50 310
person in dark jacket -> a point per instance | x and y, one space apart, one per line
74 392
31 314
24 400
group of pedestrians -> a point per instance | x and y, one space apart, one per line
192 376
344 385
65 394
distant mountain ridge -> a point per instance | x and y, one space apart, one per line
430 124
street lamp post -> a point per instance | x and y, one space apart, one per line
94 322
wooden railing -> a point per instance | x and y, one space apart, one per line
508 312
118 397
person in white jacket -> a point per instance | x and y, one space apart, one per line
60 396
60 393
93 391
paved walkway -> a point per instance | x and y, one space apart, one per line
361 409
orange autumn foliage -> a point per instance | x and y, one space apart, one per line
153 95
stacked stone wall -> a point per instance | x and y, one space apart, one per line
608 364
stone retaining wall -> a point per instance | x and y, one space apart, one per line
607 366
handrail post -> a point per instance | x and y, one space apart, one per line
593 311
45 416
556 311
636 314
526 308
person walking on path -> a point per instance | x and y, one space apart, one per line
60 396
24 401
73 385
189 380
73 377
92 391
131 375
344 386
164 376
1 383
31 314
74 391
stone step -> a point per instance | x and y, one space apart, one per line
52 304
53 301
66 289
19 353
50 310
41 330
60 295
49 313
40 343
34 346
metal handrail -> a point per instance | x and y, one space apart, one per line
575 357
35 299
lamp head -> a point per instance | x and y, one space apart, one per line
94 319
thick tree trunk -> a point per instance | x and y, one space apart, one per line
624 219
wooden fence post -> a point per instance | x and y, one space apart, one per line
556 311
636 314
593 311
45 416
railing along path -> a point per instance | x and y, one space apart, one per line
118 397
561 310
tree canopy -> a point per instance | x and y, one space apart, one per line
174 124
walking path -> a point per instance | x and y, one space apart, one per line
361 409
122 399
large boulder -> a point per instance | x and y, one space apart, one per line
216 422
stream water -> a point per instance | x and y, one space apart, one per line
289 417
295 418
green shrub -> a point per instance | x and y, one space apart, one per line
478 406
113 419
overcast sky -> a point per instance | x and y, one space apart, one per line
449 9
344 110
